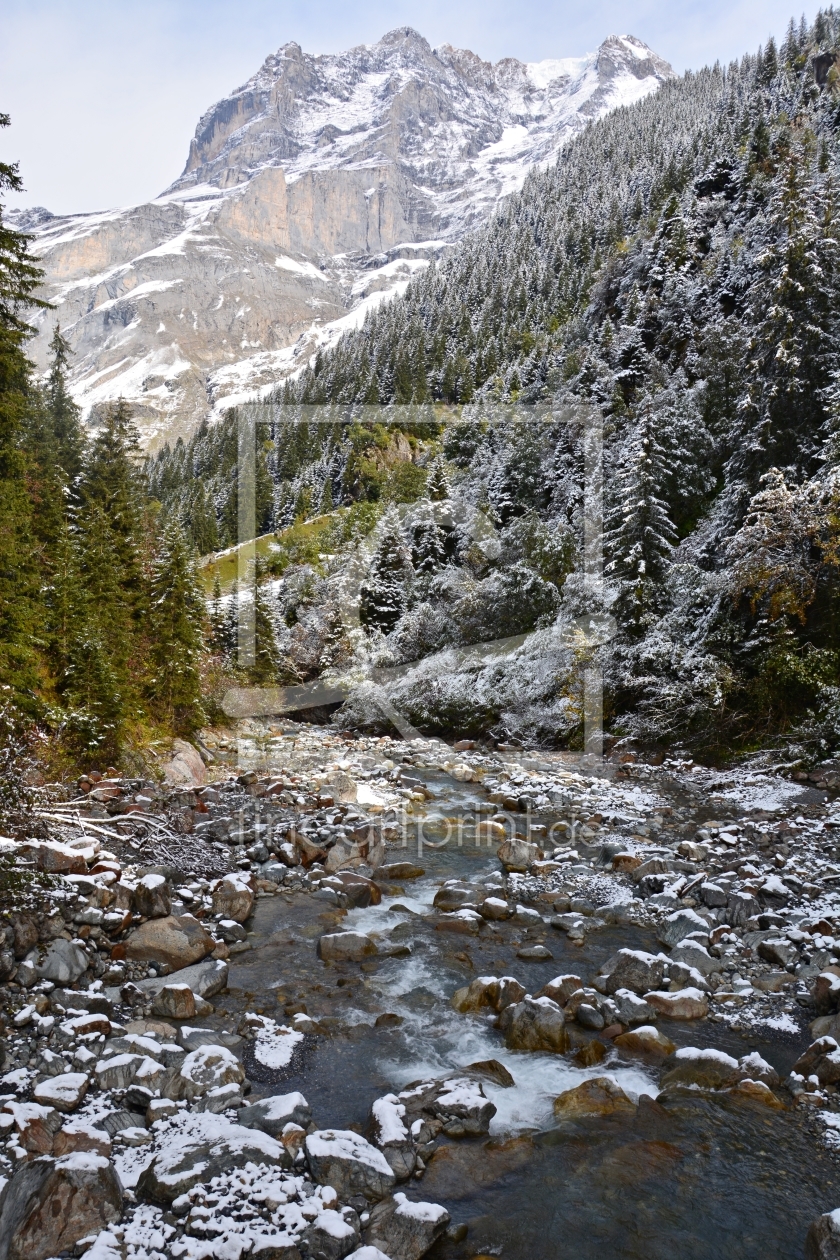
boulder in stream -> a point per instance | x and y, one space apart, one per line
404 1229
823 1238
344 1160
346 947
600 1096
535 1024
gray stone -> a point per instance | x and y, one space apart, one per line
271 1115
534 1024
679 925
693 954
405 1230
63 962
633 1009
344 1160
206 979
189 1163
631 969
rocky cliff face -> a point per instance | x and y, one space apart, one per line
309 194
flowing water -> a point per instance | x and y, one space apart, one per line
692 1177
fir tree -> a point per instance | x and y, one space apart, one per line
428 545
177 616
640 534
384 594
437 485
64 412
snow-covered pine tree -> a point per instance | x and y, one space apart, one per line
426 540
385 592
640 534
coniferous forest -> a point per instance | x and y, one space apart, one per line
677 271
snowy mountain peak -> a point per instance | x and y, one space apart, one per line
310 193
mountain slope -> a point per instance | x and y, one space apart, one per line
679 270
322 184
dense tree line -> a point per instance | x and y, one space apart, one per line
101 616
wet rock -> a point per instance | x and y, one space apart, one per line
534 953
344 1160
646 1041
462 1106
50 1204
209 1147
823 1238
679 925
591 1054
561 988
233 898
517 855
272 1114
175 1001
494 1071
360 891
510 992
706 1068
396 871
495 909
757 1092
152 897
631 969
63 962
464 922
534 1024
632 1009
64 1092
478 994
176 941
686 1004
206 1068
392 1137
346 947
599 1096
405 1230
821 1059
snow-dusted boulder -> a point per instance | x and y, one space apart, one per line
344 1160
405 1230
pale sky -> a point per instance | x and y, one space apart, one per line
105 94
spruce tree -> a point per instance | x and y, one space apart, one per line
64 412
177 614
437 485
640 533
384 594
428 545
